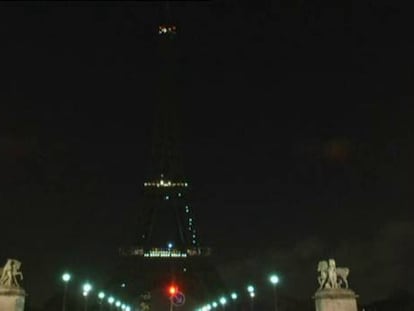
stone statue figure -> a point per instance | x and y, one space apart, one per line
10 272
331 276
323 273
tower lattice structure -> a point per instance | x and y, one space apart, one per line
166 226
167 244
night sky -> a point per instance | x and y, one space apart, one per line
297 136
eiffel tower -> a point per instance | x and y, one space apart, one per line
167 247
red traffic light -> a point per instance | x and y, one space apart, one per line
172 290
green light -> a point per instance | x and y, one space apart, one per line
66 277
250 289
101 295
233 296
274 279
111 300
87 287
223 300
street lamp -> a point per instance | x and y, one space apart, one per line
250 289
117 304
86 289
65 278
101 297
223 302
233 297
274 279
111 301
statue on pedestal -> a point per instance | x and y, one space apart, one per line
9 274
12 296
331 276
333 293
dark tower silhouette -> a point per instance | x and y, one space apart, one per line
166 225
167 246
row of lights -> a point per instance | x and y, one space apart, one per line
162 29
273 279
163 183
86 289
222 301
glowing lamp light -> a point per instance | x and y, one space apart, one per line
172 290
111 300
214 304
223 300
66 277
87 287
274 279
233 296
118 304
101 295
252 294
250 289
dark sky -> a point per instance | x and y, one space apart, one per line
298 135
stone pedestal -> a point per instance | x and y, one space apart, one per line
335 299
12 299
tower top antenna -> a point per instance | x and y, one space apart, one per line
168 10
167 27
